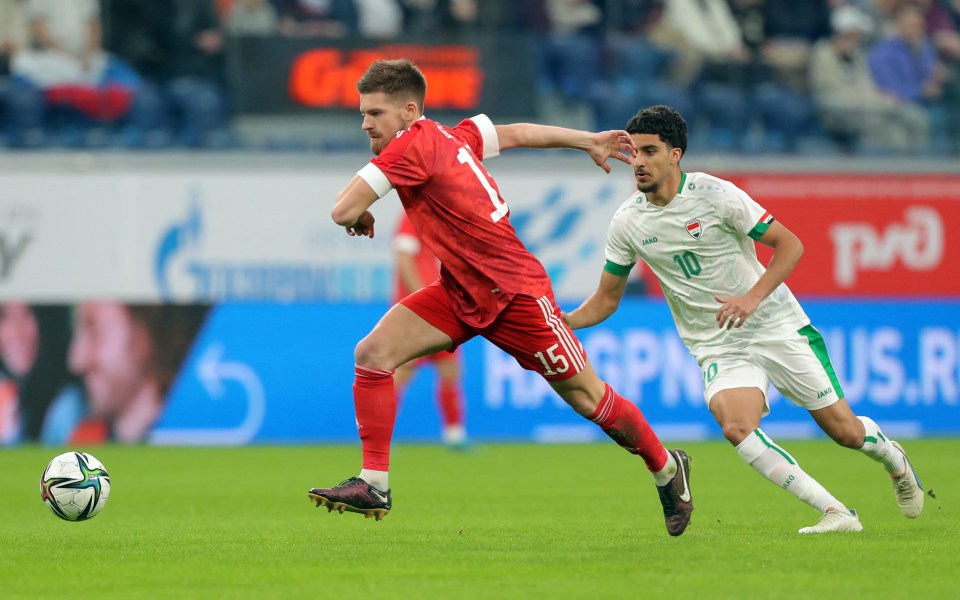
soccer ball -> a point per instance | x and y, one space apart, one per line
75 486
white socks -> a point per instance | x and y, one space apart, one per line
779 467
664 475
378 479
878 447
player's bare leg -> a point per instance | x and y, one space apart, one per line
863 434
738 412
400 336
620 419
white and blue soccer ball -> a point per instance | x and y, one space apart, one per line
75 486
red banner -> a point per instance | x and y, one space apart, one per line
866 234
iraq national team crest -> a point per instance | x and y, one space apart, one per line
694 228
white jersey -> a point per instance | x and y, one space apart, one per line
701 245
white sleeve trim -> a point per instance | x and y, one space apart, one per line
488 131
377 180
405 243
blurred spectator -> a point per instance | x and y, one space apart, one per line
567 43
646 63
318 18
852 108
66 44
643 24
178 47
433 17
81 83
14 34
39 400
708 26
380 19
128 357
905 64
882 13
943 26
780 95
749 15
789 30
251 17
939 25
21 104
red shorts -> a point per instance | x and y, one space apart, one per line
528 329
437 357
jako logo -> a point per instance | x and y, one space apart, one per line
860 247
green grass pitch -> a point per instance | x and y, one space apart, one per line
505 521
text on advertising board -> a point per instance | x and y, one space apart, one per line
325 77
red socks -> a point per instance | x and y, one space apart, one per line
375 402
451 405
625 424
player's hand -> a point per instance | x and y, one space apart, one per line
363 226
612 144
733 311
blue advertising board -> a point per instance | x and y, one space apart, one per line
275 373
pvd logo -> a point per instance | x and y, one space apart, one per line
17 230
917 242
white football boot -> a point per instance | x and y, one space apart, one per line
835 520
908 489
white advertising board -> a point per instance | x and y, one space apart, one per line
255 236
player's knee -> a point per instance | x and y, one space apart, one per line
736 432
847 435
369 354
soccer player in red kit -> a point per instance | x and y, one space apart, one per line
416 267
490 285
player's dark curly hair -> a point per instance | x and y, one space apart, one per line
663 121
400 78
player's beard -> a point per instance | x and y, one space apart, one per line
650 187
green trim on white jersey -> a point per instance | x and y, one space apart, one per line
700 245
618 270
683 179
761 227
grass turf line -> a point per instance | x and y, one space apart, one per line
506 521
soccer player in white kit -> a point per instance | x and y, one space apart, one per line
739 320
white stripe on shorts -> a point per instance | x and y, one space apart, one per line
569 343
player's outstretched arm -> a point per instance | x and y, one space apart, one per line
601 304
601 146
351 210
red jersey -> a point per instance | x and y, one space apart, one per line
455 206
407 240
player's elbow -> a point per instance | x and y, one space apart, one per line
606 307
798 250
611 307
343 215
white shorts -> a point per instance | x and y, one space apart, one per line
797 365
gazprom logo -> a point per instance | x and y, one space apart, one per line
201 259
182 236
